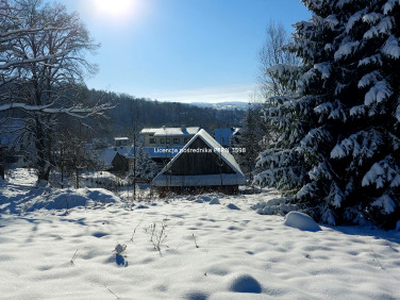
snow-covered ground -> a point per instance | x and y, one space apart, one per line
89 244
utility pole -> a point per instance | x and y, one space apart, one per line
134 162
134 125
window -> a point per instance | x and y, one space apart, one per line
186 140
162 141
152 140
176 140
168 140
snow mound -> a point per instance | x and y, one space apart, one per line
214 201
245 284
68 199
21 199
301 221
232 206
274 206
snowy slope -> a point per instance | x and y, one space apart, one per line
210 247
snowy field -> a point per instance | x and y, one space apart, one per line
63 245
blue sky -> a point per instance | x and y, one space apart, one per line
182 50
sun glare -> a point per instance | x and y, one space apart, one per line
115 8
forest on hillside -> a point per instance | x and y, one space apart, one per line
130 113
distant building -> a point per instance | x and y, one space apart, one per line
202 165
114 159
224 135
167 136
164 143
121 141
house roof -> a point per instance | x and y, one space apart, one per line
106 156
122 138
234 178
223 135
170 131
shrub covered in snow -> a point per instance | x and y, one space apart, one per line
337 148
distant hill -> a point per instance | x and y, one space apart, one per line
222 105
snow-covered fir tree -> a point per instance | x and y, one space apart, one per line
253 139
337 150
143 168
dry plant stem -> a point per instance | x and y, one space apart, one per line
195 242
74 256
134 231
158 238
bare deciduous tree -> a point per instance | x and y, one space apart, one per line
274 53
42 63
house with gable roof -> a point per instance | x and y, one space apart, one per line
164 143
202 165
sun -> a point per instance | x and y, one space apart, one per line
115 8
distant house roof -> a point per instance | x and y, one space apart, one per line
223 135
122 138
202 162
170 131
106 156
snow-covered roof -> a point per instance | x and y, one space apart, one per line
106 156
235 178
122 138
170 131
223 135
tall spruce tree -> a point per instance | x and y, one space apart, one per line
337 151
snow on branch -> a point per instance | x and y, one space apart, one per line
346 49
389 6
386 203
15 63
363 144
354 19
332 21
322 170
314 137
385 172
280 70
336 195
12 34
334 111
371 18
358 110
324 69
391 47
374 59
78 112
378 93
398 113
369 79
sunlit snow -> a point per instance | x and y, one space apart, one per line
105 247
